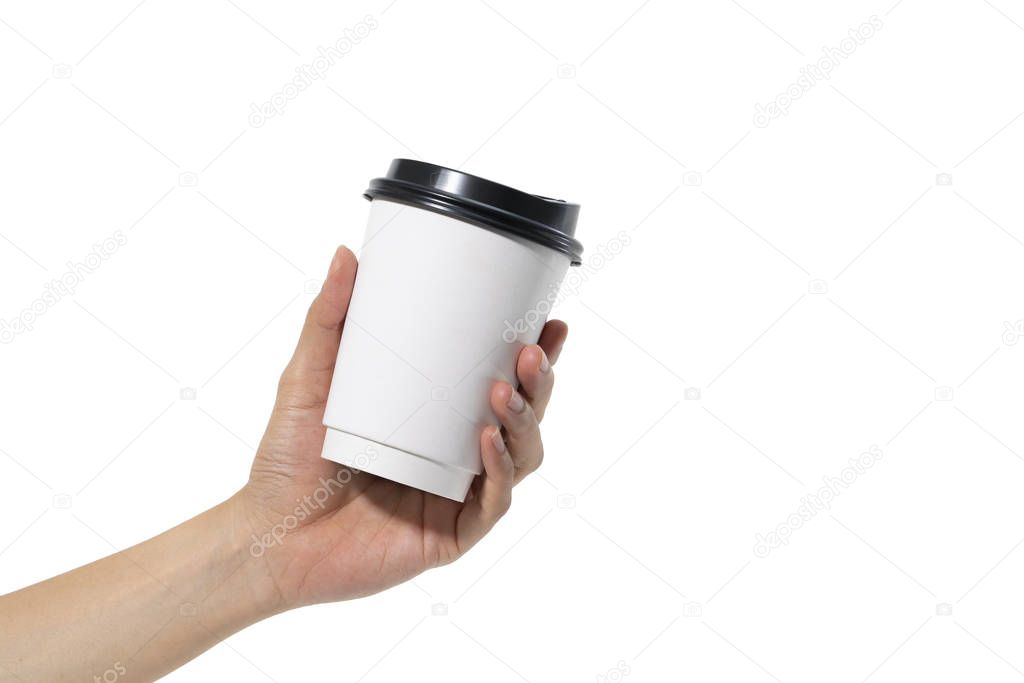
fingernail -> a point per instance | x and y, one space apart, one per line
515 402
499 443
335 262
545 365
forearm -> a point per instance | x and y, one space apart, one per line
141 612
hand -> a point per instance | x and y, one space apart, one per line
372 533
284 540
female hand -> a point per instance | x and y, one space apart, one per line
369 533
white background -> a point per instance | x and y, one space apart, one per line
812 279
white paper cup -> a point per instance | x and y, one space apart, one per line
456 275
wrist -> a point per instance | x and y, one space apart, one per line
250 586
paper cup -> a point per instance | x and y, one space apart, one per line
456 275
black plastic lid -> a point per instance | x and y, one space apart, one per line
550 222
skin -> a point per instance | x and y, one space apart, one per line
142 612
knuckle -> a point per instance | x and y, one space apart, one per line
287 379
534 430
508 467
504 504
295 392
521 423
314 306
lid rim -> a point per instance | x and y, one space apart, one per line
548 222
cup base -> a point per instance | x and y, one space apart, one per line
397 465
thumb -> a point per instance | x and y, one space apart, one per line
308 375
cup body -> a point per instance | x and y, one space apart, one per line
440 310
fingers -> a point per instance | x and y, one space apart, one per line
522 431
313 361
508 460
536 378
533 368
552 337
494 496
